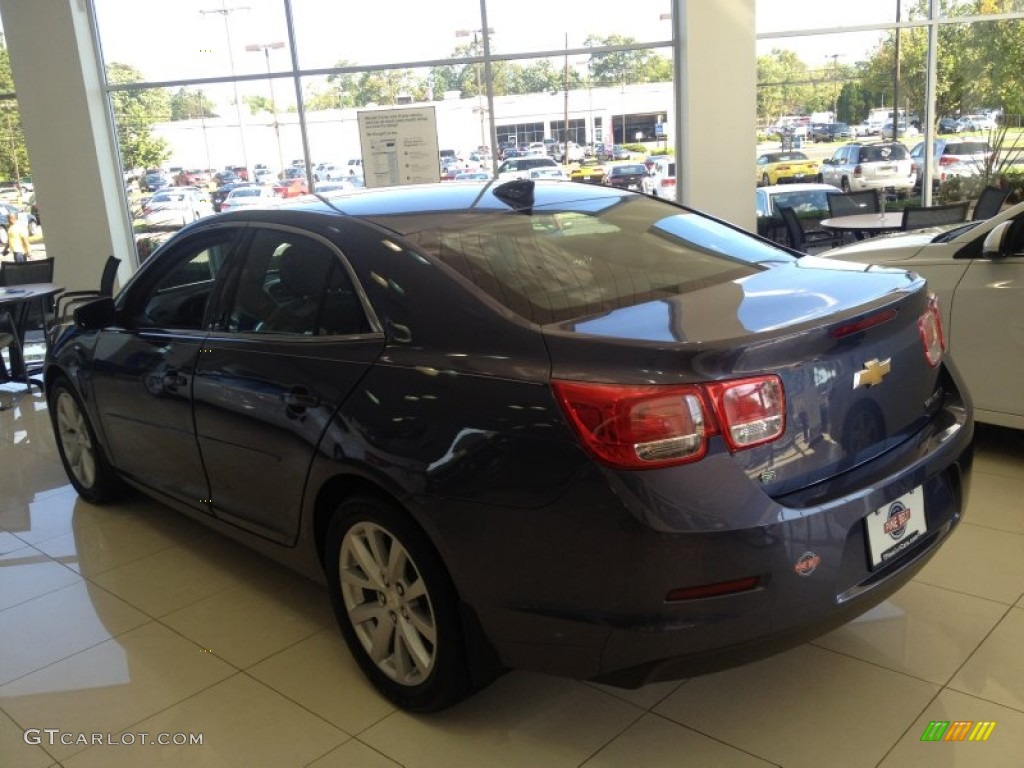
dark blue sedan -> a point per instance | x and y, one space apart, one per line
529 424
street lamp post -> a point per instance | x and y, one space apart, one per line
224 12
476 68
835 84
267 48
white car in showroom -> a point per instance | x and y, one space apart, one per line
977 270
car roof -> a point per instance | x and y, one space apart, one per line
392 203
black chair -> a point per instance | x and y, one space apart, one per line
25 272
63 310
9 340
801 239
990 202
919 218
32 271
852 203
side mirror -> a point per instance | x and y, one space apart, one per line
993 245
96 314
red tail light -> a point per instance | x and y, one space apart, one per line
947 160
668 182
644 427
857 170
930 327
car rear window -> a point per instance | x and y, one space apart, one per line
882 153
967 148
551 266
625 170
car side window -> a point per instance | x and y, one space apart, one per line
293 284
178 298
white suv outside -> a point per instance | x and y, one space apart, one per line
882 165
520 167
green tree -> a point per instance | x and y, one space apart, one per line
620 67
188 105
385 86
135 112
13 151
342 90
258 104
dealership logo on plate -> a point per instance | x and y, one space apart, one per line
807 563
899 516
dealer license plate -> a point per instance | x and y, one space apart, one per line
894 528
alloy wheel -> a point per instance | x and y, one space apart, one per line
75 441
388 604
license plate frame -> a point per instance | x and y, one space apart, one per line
893 528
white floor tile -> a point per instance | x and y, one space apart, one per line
1003 748
979 561
996 670
242 724
523 719
924 631
837 705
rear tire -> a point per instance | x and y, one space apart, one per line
396 605
845 184
80 453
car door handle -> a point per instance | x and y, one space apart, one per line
300 398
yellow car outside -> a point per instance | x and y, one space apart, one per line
783 167
589 171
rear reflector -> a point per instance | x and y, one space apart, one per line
643 427
929 325
861 325
713 590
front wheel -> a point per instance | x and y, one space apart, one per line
90 474
396 605
845 184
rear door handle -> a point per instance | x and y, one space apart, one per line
300 399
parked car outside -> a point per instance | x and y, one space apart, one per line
952 158
977 270
590 171
291 186
905 130
175 207
249 195
661 179
785 167
151 182
882 165
472 176
626 176
218 195
830 132
621 153
536 425
810 201
574 155
949 125
225 177
978 122
28 218
520 167
558 173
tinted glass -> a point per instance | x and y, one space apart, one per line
179 298
295 285
556 265
882 153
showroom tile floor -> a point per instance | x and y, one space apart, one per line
130 619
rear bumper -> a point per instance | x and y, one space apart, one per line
599 612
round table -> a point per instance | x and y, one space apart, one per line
866 223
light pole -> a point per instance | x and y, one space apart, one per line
476 67
835 84
266 48
224 12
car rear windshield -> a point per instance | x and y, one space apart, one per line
882 153
550 266
967 148
626 170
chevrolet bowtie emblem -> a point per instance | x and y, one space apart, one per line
872 373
